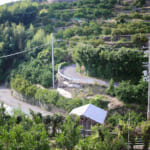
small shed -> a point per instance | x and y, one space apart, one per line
90 115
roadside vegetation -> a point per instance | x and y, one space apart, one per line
107 38
59 132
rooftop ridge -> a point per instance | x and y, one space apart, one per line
88 105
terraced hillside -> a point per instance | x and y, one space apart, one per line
104 40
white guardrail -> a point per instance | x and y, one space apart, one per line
76 80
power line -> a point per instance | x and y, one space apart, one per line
18 53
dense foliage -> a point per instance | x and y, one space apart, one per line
24 13
35 65
114 119
131 28
22 133
26 88
27 26
52 97
70 134
130 93
104 62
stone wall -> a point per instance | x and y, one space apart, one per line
41 104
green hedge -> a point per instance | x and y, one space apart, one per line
131 28
26 88
130 93
47 96
51 96
105 62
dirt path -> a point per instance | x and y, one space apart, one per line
6 98
114 102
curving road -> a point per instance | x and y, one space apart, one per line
70 71
6 98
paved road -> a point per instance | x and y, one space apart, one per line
70 71
6 98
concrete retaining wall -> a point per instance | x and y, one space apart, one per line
31 100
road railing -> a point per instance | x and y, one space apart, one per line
76 80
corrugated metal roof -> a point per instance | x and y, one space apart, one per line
90 111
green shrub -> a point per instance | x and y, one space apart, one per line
111 89
106 30
146 17
135 118
44 95
31 90
24 87
122 40
126 92
105 62
140 3
139 39
136 15
99 102
130 27
20 84
130 93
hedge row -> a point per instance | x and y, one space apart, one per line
51 96
26 88
44 95
130 93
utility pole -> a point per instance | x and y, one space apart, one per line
148 108
53 76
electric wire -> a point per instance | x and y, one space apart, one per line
21 52
59 40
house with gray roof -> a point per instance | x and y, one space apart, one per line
90 115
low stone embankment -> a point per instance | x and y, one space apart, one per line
35 102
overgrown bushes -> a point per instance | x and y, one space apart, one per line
26 88
22 132
139 39
130 93
135 119
52 97
44 95
105 62
111 89
99 102
131 28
